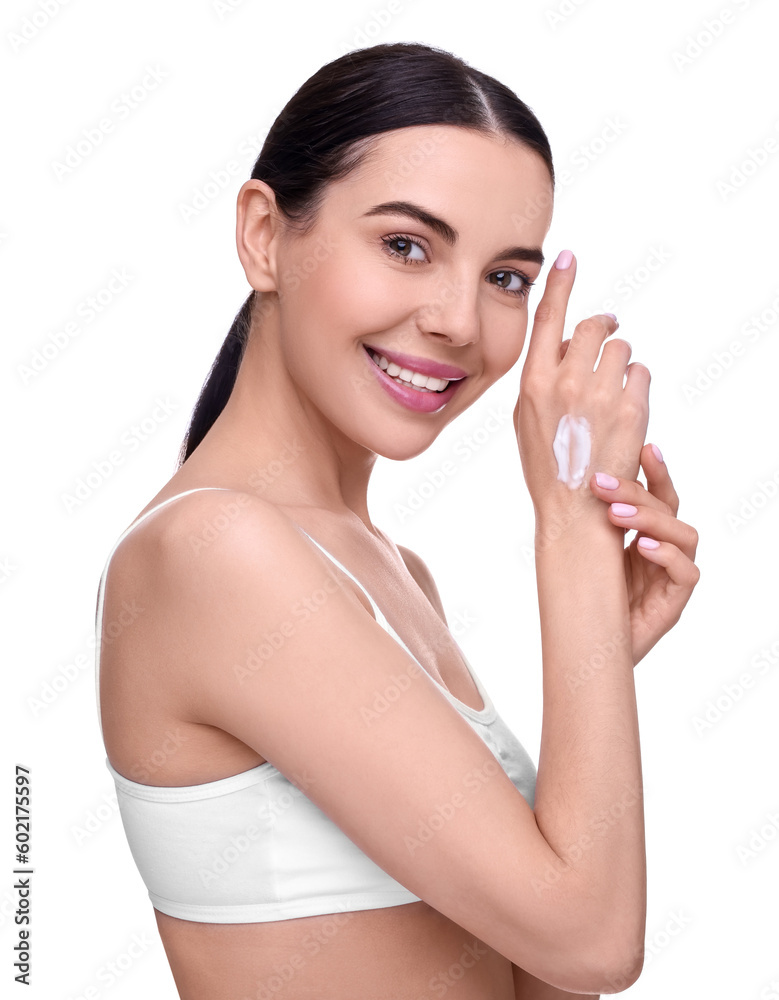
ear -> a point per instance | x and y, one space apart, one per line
257 231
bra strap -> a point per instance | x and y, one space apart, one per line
376 609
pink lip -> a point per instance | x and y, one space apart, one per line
435 369
412 399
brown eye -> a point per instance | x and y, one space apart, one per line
405 248
504 278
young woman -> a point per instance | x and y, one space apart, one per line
316 787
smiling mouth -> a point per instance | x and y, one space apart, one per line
405 376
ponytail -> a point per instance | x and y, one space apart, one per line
219 381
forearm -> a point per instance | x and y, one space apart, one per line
589 797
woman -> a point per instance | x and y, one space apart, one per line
319 793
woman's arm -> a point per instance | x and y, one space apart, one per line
301 677
589 795
526 986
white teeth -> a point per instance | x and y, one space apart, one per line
425 383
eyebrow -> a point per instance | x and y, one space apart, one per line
448 233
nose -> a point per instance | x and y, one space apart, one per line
451 310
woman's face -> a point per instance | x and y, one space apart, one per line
441 298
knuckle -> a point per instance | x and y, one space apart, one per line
568 387
644 371
590 327
532 381
618 344
634 409
601 396
546 312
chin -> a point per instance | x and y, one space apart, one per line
399 447
403 454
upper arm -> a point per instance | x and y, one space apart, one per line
266 645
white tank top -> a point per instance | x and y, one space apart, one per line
252 847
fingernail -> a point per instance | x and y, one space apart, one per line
612 316
657 453
606 481
624 509
564 259
648 543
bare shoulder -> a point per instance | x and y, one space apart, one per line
420 571
200 540
201 573
185 562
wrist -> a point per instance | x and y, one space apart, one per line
565 522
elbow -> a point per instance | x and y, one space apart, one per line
594 949
618 947
607 967
616 967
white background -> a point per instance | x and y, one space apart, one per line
654 191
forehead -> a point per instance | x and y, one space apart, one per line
457 173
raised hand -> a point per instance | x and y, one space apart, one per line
559 379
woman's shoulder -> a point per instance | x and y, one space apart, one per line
190 567
193 542
181 528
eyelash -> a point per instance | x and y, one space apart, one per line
522 293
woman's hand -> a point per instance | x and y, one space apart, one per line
660 578
561 378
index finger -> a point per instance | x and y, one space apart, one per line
658 480
549 319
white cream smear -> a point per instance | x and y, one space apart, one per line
571 446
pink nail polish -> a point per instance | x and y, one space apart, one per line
624 509
648 543
606 481
564 259
657 453
612 316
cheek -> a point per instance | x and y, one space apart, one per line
350 296
503 347
325 311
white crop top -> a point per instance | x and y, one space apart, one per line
252 847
